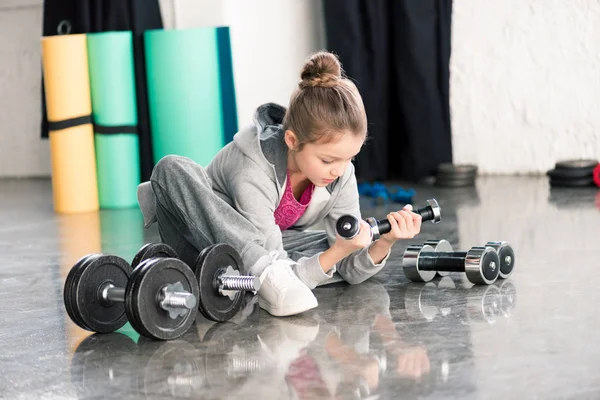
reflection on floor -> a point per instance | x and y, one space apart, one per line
530 336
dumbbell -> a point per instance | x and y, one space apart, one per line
506 254
348 226
480 264
217 270
158 298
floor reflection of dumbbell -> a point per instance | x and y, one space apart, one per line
217 271
505 252
159 298
480 264
476 303
348 226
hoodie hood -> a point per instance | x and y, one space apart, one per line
263 142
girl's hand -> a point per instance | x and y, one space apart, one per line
404 224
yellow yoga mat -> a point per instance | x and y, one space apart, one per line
68 101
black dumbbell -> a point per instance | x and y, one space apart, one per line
217 270
506 254
348 226
480 264
158 298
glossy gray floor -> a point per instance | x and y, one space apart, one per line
534 335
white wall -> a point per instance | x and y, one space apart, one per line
21 150
525 86
525 83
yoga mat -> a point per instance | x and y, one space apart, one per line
184 93
114 112
67 93
228 100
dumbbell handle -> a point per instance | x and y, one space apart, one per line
442 261
239 282
167 299
426 214
348 226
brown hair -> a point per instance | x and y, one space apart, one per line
325 104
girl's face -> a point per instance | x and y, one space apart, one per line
322 163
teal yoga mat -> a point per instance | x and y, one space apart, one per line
190 92
114 111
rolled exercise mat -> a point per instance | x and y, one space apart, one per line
114 113
184 93
72 154
228 100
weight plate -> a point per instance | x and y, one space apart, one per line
142 294
596 175
450 169
570 173
455 182
580 182
506 254
69 294
440 245
410 264
482 265
213 262
347 226
575 164
98 271
153 250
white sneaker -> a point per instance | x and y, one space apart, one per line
281 292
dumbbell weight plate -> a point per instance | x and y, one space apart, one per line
482 265
141 298
575 164
153 250
411 264
506 254
440 245
212 262
84 304
69 294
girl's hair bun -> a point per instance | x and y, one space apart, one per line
323 69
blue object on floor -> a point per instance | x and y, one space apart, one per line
381 193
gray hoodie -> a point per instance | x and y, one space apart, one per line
250 174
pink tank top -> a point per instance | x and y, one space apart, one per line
290 210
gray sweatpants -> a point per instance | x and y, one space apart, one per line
191 216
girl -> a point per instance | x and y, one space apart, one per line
278 177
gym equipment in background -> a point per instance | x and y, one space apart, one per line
459 175
190 99
114 111
573 173
69 108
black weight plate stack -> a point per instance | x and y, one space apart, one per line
459 175
572 173
82 292
153 250
69 295
141 298
212 262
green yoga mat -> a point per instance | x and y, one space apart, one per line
184 93
114 111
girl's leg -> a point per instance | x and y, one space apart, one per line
300 244
191 216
